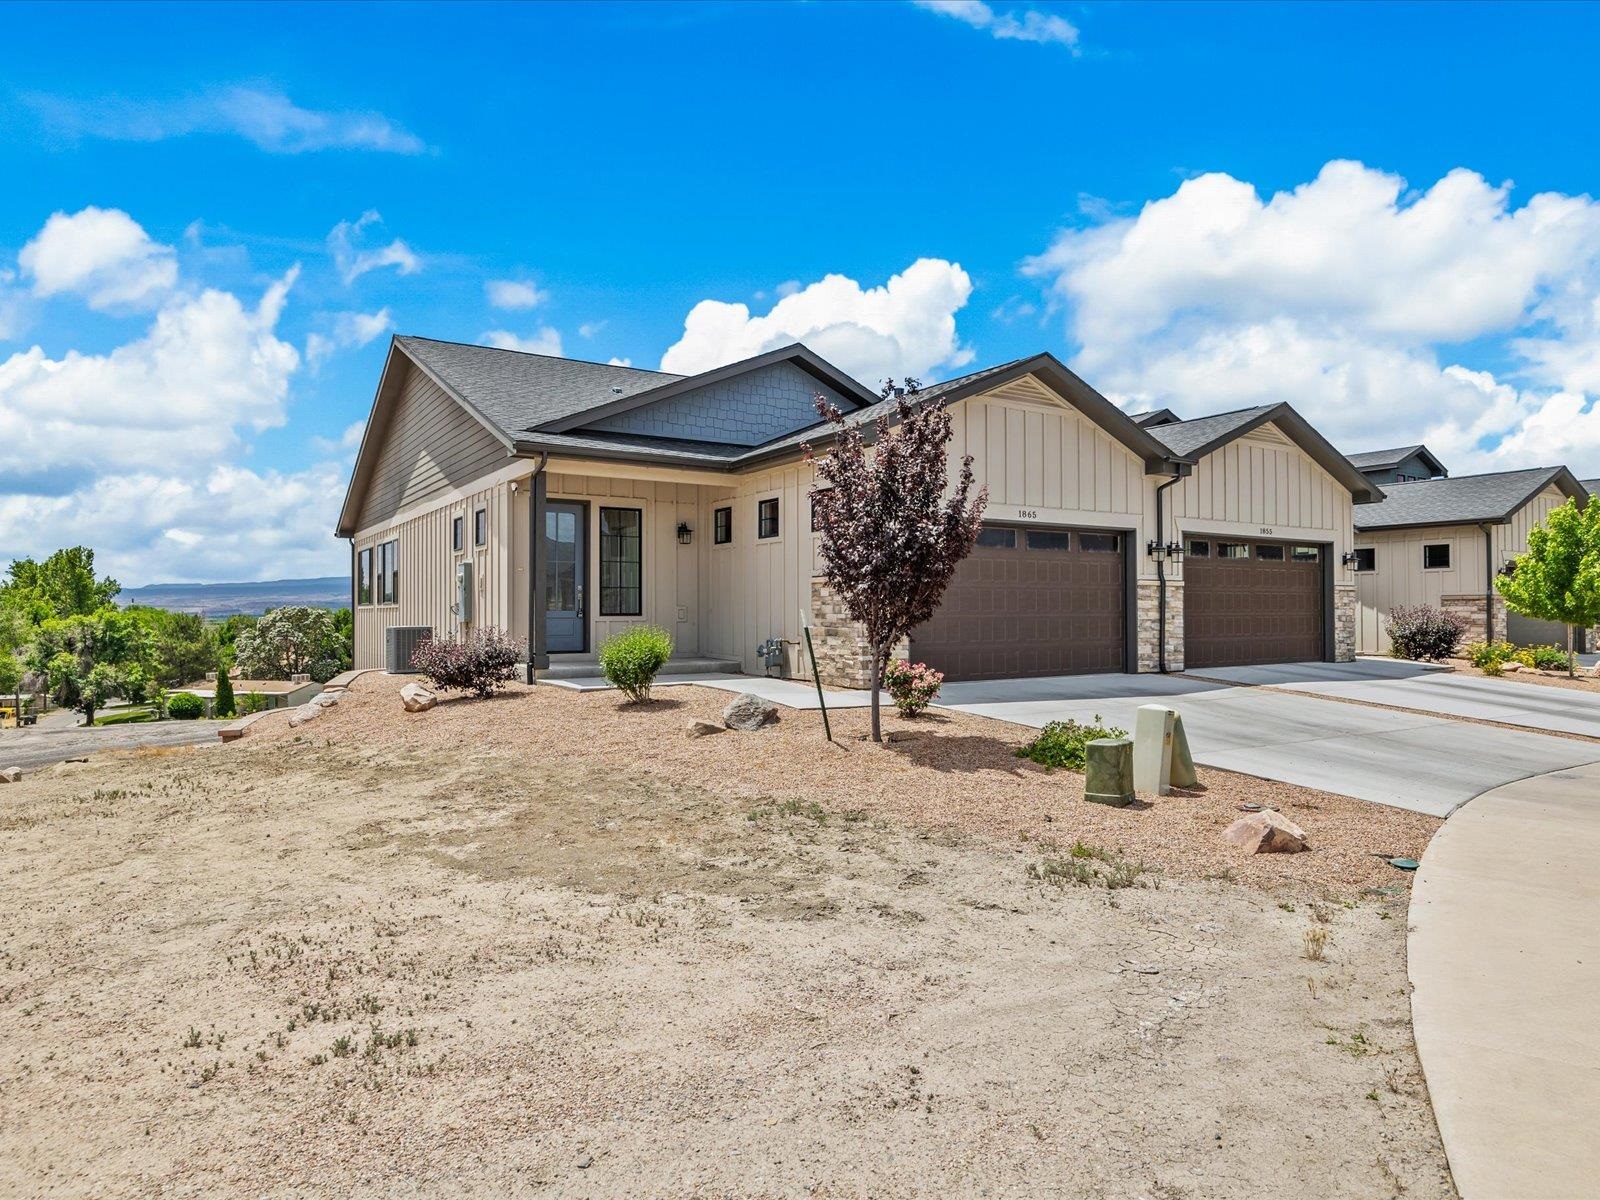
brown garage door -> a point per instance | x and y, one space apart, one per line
1031 602
1247 602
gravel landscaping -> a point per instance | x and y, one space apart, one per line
546 945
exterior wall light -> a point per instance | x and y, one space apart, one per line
685 534
1156 550
1175 550
1348 559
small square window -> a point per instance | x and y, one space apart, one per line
456 532
1099 543
1233 550
1269 553
1366 558
480 527
1436 556
1306 554
767 518
1198 549
722 526
998 539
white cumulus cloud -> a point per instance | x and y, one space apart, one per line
514 293
1016 25
102 254
543 341
1361 302
352 260
348 330
905 327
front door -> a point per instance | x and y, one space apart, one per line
563 578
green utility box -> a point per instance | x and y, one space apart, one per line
1108 771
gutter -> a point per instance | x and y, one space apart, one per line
1161 577
537 655
1488 581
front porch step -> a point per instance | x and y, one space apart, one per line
581 666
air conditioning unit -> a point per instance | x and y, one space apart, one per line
400 642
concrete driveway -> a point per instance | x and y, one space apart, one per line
1423 763
1431 689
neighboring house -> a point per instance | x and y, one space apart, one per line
1441 542
278 693
1403 464
1592 486
564 501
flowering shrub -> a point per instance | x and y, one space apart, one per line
1489 657
912 686
1543 658
482 662
1422 632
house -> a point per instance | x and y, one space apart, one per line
1402 464
278 693
1441 542
564 501
1592 486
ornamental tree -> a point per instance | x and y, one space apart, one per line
1558 577
293 640
893 529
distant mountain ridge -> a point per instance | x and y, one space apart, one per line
252 598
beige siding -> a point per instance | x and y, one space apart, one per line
432 446
1263 485
428 570
1399 577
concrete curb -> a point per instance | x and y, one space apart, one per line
235 730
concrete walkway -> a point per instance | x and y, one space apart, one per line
791 693
1432 690
1504 958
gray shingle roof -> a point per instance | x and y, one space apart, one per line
1592 486
1185 437
1373 460
518 391
1462 500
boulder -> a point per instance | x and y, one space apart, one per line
306 712
1266 832
1511 668
417 698
325 699
749 712
10 774
699 729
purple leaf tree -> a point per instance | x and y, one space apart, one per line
892 528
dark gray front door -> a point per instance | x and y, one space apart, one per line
564 563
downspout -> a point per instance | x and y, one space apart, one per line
355 638
537 656
1161 577
1488 581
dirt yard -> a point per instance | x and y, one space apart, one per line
1583 681
544 946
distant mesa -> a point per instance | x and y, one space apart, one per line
253 599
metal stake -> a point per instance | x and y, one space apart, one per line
816 677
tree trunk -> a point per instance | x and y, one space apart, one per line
1570 672
877 691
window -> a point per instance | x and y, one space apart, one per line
480 527
364 576
1436 556
1233 550
1047 539
722 526
1198 549
1099 542
456 532
1306 553
767 518
1366 558
1269 553
621 539
389 572
998 539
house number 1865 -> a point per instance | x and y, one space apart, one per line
1031 514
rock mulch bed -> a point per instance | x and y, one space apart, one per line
941 771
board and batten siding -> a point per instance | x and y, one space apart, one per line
1262 485
1399 578
431 446
428 569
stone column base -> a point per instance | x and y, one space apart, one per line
843 657
1344 622
1148 617
1471 610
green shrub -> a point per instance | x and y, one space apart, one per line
223 707
185 706
1543 658
1061 743
1489 657
250 702
631 660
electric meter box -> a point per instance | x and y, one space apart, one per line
464 592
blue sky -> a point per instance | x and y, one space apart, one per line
1378 213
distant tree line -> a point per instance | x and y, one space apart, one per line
61 633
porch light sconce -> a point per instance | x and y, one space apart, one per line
1175 550
1508 568
1348 559
1163 550
685 534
